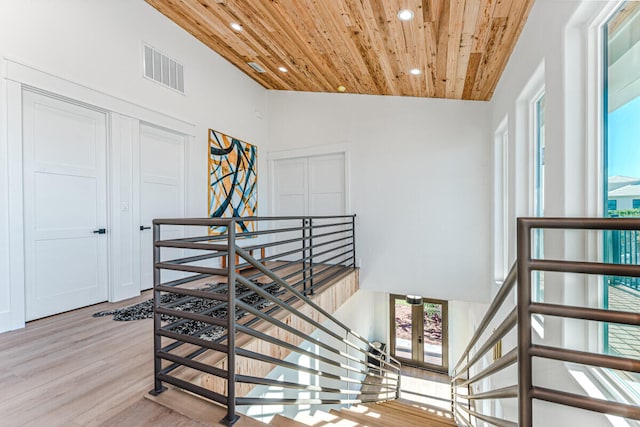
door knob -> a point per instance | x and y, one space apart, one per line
100 231
142 227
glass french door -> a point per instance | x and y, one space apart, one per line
419 332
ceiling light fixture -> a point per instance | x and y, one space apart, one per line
236 26
405 15
415 71
414 299
341 88
283 69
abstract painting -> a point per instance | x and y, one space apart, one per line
233 181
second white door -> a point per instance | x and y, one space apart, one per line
161 194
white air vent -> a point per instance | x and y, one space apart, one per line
256 67
162 69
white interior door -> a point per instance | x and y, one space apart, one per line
290 194
327 185
65 204
161 195
309 186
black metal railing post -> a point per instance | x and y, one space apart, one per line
353 239
157 339
525 376
305 222
232 417
311 291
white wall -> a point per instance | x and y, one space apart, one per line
420 184
556 41
98 45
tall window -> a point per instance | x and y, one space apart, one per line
500 202
621 70
538 193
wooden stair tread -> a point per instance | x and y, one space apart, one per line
282 421
199 409
409 413
421 408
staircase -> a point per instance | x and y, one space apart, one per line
391 413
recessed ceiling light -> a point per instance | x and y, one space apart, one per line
236 26
405 15
415 71
283 69
341 88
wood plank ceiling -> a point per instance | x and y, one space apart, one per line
460 46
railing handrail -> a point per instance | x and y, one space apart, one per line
507 286
347 358
525 350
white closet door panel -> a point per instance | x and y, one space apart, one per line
161 194
65 202
327 197
291 188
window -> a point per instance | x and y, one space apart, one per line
500 202
621 154
538 193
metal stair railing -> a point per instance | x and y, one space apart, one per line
463 404
272 315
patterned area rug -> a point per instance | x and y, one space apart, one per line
144 310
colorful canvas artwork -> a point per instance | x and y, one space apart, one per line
233 181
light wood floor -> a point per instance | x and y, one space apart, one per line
76 370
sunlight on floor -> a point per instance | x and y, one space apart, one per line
423 387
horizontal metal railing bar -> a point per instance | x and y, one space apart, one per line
585 358
245 401
585 313
491 420
507 360
302 387
180 314
279 362
502 294
209 345
193 364
499 393
585 402
191 268
296 349
193 293
631 270
298 294
579 223
193 221
201 391
507 324
185 280
195 258
226 221
176 243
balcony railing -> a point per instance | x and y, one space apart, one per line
234 298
